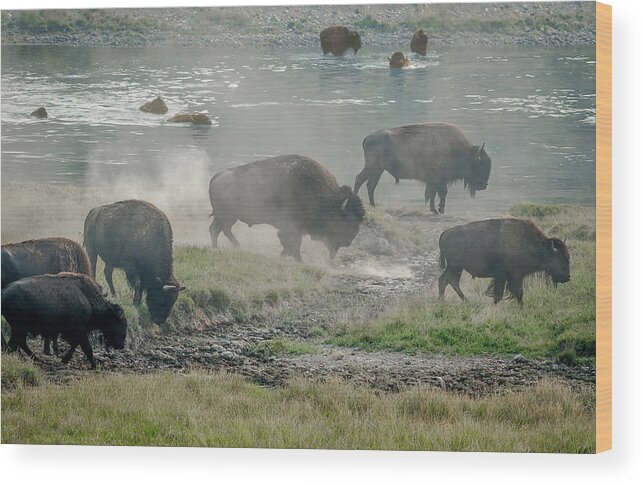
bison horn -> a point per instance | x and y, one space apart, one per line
344 204
553 245
168 287
479 151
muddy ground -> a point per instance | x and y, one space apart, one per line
367 278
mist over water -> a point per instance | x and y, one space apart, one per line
533 107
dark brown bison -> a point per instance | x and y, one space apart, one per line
437 154
293 193
39 113
156 106
398 61
66 304
337 39
136 236
419 42
43 256
506 250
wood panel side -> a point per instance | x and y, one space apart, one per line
603 227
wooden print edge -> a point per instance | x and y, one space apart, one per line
603 227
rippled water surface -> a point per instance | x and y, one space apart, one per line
534 108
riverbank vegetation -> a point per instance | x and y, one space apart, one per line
224 410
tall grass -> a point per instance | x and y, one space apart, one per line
553 320
223 410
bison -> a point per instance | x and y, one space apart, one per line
66 304
43 256
293 193
398 61
506 250
437 154
136 236
419 42
337 39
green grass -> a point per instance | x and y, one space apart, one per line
223 410
18 373
552 321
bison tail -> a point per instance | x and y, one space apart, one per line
443 260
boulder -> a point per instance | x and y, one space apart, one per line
40 113
197 119
156 106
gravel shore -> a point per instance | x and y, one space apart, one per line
543 24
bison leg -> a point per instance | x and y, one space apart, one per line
228 233
451 277
215 230
514 285
138 291
291 241
46 348
70 353
373 180
442 193
87 349
93 256
360 179
498 283
109 270
429 196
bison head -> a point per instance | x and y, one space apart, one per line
161 298
397 61
114 327
480 170
557 260
342 220
355 41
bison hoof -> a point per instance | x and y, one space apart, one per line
441 210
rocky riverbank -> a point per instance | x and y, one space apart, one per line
544 24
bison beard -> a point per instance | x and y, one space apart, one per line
506 250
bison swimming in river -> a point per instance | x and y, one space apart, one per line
49 255
337 39
293 193
419 42
136 236
66 304
397 61
506 250
437 154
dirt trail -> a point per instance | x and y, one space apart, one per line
362 282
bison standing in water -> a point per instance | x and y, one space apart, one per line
506 250
419 42
68 304
49 255
136 236
337 39
293 193
437 154
398 61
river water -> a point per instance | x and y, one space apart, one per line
533 107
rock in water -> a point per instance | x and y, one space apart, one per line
197 119
40 113
156 106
